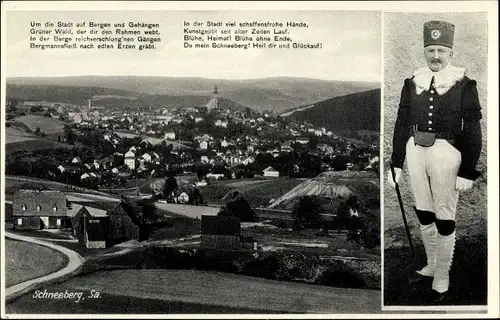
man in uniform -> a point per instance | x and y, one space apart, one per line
438 132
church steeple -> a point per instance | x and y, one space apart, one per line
214 101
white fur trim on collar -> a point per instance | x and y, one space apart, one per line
443 80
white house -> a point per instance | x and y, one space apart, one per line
248 161
201 183
198 119
271 172
133 149
130 160
84 176
146 157
61 168
221 123
205 159
302 140
203 145
76 160
169 135
183 198
224 143
215 176
115 170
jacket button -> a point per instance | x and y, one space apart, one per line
430 122
432 91
430 114
431 98
430 129
431 107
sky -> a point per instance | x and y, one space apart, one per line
351 47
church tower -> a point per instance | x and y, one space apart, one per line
214 102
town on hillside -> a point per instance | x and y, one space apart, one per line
199 187
101 148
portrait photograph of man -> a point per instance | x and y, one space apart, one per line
435 71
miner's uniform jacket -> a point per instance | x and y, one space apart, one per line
453 116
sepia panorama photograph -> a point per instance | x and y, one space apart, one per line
193 162
435 187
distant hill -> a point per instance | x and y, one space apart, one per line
277 94
357 111
113 98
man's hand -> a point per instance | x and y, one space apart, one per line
463 184
392 182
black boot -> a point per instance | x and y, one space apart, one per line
437 298
418 279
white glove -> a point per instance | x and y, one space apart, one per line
463 184
397 172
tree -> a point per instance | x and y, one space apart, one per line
248 112
339 163
237 206
149 213
306 213
36 109
169 186
68 134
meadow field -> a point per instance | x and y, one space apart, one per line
192 291
258 192
25 261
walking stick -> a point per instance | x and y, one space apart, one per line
403 212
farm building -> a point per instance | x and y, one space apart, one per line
222 233
124 224
45 209
90 225
271 172
97 228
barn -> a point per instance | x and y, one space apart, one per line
40 209
124 224
221 233
90 226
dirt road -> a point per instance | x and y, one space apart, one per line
74 262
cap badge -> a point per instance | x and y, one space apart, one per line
435 34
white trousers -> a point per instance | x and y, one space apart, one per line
433 174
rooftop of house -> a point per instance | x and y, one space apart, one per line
39 203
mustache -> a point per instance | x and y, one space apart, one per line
435 60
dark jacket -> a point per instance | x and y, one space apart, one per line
453 116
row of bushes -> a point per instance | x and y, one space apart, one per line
276 266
